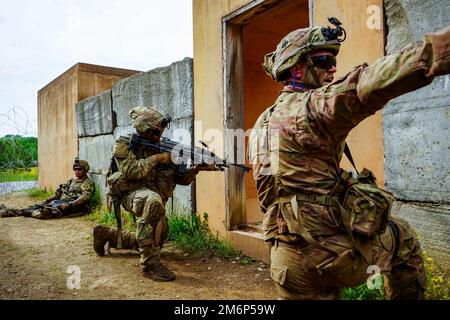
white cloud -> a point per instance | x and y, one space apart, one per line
42 39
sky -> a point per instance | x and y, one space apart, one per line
39 40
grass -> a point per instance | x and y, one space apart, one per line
13 175
192 234
187 231
438 285
438 281
39 194
104 216
364 293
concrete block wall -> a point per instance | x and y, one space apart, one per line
104 117
416 135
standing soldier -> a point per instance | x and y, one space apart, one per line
146 180
318 244
72 198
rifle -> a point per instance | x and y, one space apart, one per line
184 152
116 205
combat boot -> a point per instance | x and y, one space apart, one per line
104 234
158 272
5 213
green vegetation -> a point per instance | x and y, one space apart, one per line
364 293
438 281
187 231
438 285
11 175
96 198
17 152
192 234
106 217
39 194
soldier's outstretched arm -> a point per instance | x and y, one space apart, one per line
413 67
341 106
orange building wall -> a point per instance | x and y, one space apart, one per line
208 98
57 129
362 45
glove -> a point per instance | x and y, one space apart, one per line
163 158
64 206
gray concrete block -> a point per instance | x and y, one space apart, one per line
436 94
123 131
94 115
181 130
432 224
417 154
97 151
409 20
168 89
415 125
182 200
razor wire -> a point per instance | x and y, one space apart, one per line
18 148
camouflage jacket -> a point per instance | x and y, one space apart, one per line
140 170
297 143
74 189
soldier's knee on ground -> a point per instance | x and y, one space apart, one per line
295 275
407 277
104 234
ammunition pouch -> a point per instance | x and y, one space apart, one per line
366 208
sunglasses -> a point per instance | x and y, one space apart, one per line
77 169
154 132
324 62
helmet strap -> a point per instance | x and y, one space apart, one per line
312 69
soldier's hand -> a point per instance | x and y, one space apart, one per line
64 206
163 158
207 167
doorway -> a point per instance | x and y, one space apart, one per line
248 34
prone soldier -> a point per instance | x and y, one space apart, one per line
72 198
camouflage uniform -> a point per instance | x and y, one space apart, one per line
146 185
296 148
79 190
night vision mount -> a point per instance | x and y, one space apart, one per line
337 33
165 122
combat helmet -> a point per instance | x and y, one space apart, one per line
81 163
298 44
147 118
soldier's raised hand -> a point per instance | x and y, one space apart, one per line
207 167
163 158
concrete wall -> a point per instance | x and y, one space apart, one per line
57 125
104 117
416 135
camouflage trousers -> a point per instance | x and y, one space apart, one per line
45 212
152 228
304 271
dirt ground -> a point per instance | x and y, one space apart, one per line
40 259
